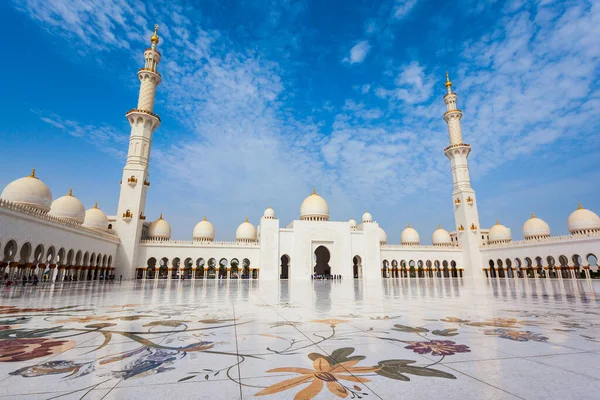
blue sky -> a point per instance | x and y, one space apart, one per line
263 100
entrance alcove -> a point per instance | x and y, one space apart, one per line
322 257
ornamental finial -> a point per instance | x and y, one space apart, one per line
154 39
439 226
497 223
246 219
532 215
579 206
96 205
448 83
204 218
160 217
408 225
70 191
33 172
314 190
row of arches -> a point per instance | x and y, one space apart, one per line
47 262
197 269
548 267
420 269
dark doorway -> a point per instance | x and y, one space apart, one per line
322 267
285 265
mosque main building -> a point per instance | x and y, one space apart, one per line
62 240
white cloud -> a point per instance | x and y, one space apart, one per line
358 52
402 8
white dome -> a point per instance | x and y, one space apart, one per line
204 231
409 236
382 235
352 223
499 234
314 208
441 237
535 228
367 217
95 219
582 220
68 207
159 229
29 191
269 213
246 232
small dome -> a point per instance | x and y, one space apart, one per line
269 213
246 232
535 228
159 229
314 208
367 217
583 220
29 191
382 235
68 207
499 234
409 236
441 237
95 219
204 231
352 223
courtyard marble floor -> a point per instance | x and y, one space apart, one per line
408 338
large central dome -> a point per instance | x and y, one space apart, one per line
314 208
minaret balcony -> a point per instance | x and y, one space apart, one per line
452 146
149 70
135 111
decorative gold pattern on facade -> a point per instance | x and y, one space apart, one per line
146 182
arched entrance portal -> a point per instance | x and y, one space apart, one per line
356 267
285 266
322 261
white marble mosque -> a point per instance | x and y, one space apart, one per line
61 240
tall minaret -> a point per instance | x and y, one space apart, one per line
463 195
134 183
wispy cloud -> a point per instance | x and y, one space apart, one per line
358 52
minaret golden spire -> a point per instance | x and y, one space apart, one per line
154 39
160 216
33 173
448 83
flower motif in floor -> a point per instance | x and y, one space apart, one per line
25 349
323 374
331 322
438 347
519 336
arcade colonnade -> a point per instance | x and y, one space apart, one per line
198 268
421 269
51 261
564 267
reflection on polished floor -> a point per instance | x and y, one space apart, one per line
446 339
